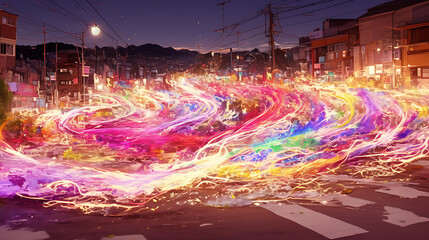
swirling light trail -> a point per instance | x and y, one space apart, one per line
123 151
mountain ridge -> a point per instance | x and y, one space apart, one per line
148 50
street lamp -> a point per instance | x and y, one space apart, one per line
95 30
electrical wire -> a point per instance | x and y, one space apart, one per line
37 23
252 36
279 12
108 24
317 10
73 16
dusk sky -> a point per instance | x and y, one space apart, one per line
175 23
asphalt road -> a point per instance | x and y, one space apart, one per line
372 210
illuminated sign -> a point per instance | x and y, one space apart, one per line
396 53
371 70
379 68
85 71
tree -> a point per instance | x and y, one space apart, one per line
5 100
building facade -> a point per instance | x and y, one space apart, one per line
394 44
332 55
7 41
411 50
24 92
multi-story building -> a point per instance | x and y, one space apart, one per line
301 56
7 41
69 77
332 55
411 46
394 44
30 73
24 92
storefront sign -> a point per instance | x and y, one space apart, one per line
12 86
317 66
396 53
86 71
371 70
379 68
26 90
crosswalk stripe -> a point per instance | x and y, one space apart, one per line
125 237
401 217
7 233
345 200
402 191
322 224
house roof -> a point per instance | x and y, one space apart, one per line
390 6
7 12
412 26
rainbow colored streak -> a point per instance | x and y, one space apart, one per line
122 151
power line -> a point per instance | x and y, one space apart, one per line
79 6
243 39
300 7
32 21
59 9
117 34
71 15
317 10
291 9
322 18
223 11
235 25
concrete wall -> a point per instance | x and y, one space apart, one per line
375 28
411 15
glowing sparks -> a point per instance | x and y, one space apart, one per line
123 152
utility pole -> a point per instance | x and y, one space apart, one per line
393 59
56 75
223 12
96 58
44 65
271 37
230 54
83 67
117 60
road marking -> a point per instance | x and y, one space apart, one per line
402 217
206 224
22 234
327 226
423 163
402 191
344 200
126 237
